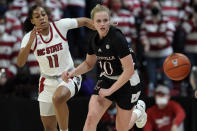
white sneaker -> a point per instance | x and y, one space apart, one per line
142 119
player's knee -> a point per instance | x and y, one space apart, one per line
58 99
60 96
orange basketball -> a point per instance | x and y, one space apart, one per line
177 66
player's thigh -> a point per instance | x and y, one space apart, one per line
47 113
98 106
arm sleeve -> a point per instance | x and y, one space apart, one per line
25 41
120 45
149 123
66 24
179 112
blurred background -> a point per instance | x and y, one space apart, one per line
153 28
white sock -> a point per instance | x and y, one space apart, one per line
63 130
137 112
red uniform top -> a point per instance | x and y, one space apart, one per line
162 119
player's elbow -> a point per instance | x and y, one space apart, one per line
130 71
89 65
20 63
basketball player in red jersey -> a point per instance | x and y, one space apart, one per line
50 46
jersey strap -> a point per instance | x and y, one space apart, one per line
59 32
46 42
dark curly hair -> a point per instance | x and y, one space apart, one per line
28 26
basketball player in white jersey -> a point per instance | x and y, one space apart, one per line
50 46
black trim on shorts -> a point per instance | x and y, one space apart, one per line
76 89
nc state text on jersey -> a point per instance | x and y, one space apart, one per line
49 50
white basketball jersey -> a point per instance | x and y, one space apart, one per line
52 51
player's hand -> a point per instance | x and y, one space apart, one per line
34 32
66 76
105 92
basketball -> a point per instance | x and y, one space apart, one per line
177 66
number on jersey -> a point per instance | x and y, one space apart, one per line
53 61
107 67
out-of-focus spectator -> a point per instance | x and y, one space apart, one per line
19 9
134 6
55 7
156 36
9 48
124 20
36 2
193 80
174 9
190 28
76 37
3 6
166 114
13 25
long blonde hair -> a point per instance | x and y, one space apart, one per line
99 8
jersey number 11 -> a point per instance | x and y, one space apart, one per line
53 60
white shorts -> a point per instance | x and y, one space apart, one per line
46 109
47 88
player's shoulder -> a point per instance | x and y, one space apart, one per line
27 34
115 32
63 20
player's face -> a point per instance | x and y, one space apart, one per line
40 18
101 23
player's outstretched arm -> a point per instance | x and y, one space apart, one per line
84 67
128 70
85 22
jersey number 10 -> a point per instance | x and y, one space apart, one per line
107 67
53 60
